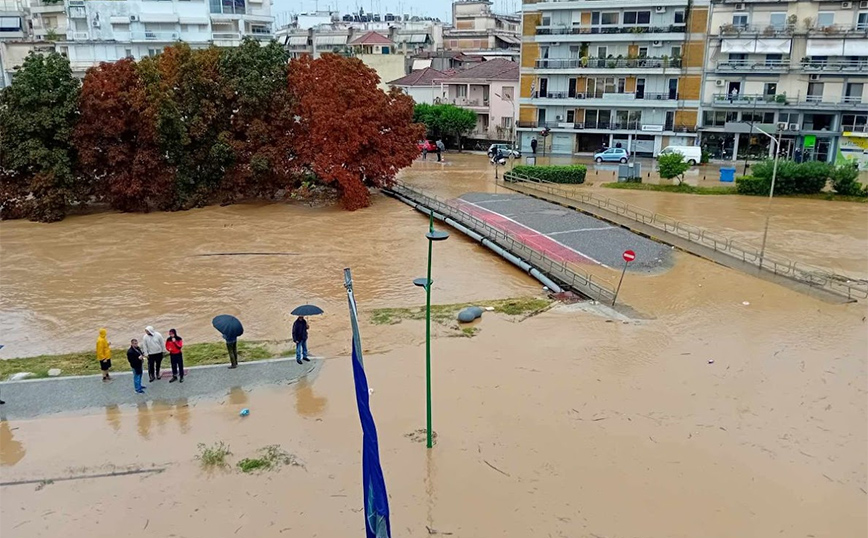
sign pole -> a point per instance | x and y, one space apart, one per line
629 256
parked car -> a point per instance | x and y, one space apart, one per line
427 144
506 149
612 155
692 154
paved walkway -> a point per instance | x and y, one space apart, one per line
32 398
564 234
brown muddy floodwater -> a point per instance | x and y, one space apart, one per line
737 409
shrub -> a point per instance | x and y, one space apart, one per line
572 174
706 156
793 178
845 181
213 456
752 186
672 165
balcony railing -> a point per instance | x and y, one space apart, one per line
756 29
826 66
608 63
225 36
629 126
783 100
609 96
566 30
839 30
747 65
154 36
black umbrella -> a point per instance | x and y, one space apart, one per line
307 310
228 325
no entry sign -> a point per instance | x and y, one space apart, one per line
629 256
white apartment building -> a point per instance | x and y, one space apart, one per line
92 31
803 64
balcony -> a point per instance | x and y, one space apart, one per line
40 6
466 102
78 36
839 30
625 126
730 30
163 37
781 100
608 63
744 66
607 30
814 66
641 99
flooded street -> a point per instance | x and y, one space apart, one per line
737 408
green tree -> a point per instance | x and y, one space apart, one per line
445 120
672 165
845 180
38 112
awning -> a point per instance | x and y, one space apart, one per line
193 20
757 46
158 17
298 40
509 39
411 38
421 64
825 47
856 47
8 23
330 40
119 20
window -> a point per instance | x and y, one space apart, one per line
774 59
643 52
128 53
546 21
602 52
739 20
10 24
508 92
853 92
815 91
854 122
637 17
461 90
778 21
610 18
506 122
771 88
571 116
825 19
862 21
788 117
153 52
676 52
679 17
574 51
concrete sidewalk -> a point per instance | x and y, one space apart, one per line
35 397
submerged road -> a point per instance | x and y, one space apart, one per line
565 234
36 397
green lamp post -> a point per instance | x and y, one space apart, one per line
432 235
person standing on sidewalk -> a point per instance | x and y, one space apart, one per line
232 348
154 347
299 336
173 345
136 358
104 354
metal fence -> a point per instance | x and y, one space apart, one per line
568 275
807 274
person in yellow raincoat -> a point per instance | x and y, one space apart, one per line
104 354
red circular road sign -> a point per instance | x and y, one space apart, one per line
629 256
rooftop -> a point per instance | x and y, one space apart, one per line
371 38
496 69
421 77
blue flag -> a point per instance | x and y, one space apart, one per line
374 495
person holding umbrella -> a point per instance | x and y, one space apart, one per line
230 328
300 328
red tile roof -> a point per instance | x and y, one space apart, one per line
371 38
496 69
420 77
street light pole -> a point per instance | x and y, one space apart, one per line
432 235
777 143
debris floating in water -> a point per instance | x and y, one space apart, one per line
745 303
244 412
710 361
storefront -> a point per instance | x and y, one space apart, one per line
853 147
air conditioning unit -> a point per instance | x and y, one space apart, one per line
794 127
560 118
740 7
719 82
660 9
814 77
134 18
782 126
657 44
846 5
95 23
580 96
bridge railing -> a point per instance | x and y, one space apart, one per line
570 276
842 285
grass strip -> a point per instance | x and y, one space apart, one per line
444 313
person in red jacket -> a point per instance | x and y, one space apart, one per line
174 343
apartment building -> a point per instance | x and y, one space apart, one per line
606 72
799 65
25 26
476 27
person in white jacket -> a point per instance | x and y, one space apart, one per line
153 346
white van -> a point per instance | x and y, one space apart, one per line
692 154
